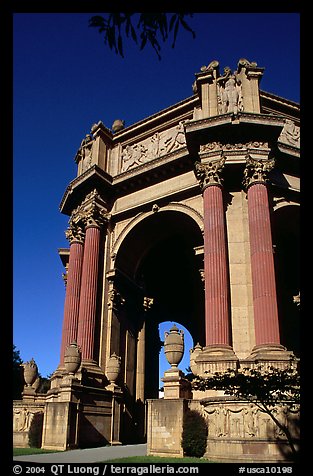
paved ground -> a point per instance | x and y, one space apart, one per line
90 455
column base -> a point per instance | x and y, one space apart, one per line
81 412
212 358
270 355
92 375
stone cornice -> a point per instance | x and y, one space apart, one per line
93 177
279 100
242 118
146 125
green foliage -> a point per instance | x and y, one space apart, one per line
150 28
17 374
195 432
265 386
270 386
45 384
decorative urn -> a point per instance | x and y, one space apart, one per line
113 368
118 125
72 358
30 372
174 346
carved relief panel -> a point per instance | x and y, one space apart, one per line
159 144
246 421
290 134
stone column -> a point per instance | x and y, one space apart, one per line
217 355
268 348
75 235
215 256
261 248
94 218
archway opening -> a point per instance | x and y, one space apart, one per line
286 230
163 363
159 256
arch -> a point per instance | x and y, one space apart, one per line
156 258
172 206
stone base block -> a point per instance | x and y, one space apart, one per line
213 358
269 355
20 439
175 385
248 451
165 426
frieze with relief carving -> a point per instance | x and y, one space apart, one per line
243 421
22 418
257 147
159 144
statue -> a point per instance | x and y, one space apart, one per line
229 92
290 133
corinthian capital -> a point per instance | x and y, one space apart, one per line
75 232
95 216
210 172
93 210
256 170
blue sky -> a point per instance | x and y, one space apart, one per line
64 80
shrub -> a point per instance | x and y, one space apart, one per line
195 432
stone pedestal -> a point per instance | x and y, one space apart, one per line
175 385
80 412
269 355
165 427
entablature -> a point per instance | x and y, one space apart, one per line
93 178
233 128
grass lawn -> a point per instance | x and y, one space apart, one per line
30 451
157 459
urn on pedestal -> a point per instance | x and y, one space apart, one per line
30 372
174 346
113 368
72 358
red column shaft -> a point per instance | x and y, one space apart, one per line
262 266
215 268
71 305
88 295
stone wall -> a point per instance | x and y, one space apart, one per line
237 431
27 423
